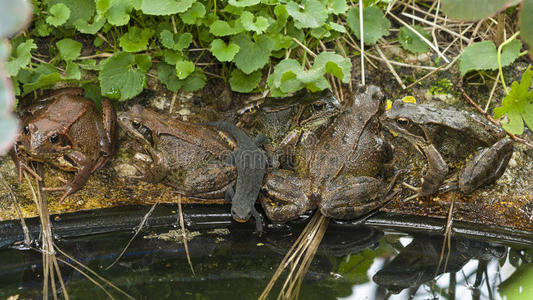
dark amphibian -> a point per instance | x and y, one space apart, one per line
183 155
64 129
449 138
335 166
251 165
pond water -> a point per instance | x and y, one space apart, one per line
231 262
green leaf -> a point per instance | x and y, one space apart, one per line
222 28
195 81
412 42
472 10
118 13
252 55
526 30
135 39
176 42
243 3
184 68
84 26
283 80
79 10
69 49
313 14
165 7
376 25
337 6
335 64
197 11
259 25
44 80
42 29
244 83
483 56
58 15
167 75
120 78
20 58
143 61
517 105
73 71
222 51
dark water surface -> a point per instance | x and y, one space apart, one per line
231 262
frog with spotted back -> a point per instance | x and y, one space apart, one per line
336 165
185 156
65 130
449 138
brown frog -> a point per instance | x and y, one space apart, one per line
183 155
65 130
451 140
336 165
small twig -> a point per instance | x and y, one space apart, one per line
488 117
173 102
304 47
25 230
445 29
99 55
184 235
441 68
492 93
362 46
430 44
391 69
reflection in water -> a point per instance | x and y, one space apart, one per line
351 263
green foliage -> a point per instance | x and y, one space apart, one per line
375 24
517 105
411 41
483 56
69 49
58 15
123 75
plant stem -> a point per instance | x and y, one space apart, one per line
499 57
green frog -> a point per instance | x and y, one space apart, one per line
65 130
185 156
451 139
336 165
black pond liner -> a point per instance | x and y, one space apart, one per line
230 260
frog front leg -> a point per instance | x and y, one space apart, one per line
108 133
84 166
283 197
486 167
349 197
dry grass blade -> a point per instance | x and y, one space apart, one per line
299 257
361 27
184 235
139 228
447 241
25 230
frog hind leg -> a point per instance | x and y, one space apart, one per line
486 167
434 175
108 132
349 197
282 196
209 181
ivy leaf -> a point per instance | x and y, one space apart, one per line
195 81
252 55
412 42
176 42
118 13
20 58
223 28
473 9
120 78
84 26
313 14
69 49
73 71
375 23
165 7
43 80
171 57
259 25
483 56
337 6
518 105
197 11
222 51
79 9
135 39
243 3
244 83
335 64
284 78
184 68
167 75
58 15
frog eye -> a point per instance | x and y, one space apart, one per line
135 124
402 121
54 138
26 130
318 106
